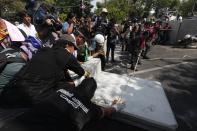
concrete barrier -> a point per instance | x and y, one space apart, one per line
180 29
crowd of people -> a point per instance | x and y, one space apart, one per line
139 36
36 54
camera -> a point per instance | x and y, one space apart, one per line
46 15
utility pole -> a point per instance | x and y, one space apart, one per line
82 7
105 2
194 8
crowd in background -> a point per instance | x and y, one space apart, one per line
139 36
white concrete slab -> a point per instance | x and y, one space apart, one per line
146 101
93 65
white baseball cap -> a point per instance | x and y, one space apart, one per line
99 39
104 10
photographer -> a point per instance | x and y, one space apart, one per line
47 25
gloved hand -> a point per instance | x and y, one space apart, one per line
78 81
87 74
118 105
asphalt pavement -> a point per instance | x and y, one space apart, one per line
176 69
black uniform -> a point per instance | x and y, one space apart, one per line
65 110
101 26
134 47
40 77
111 42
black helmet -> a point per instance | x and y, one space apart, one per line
87 89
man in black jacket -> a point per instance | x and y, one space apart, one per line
42 74
67 109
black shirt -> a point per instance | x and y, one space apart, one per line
40 77
67 61
63 110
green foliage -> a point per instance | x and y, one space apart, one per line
65 6
99 5
71 5
9 8
161 4
186 7
175 4
121 9
11 5
118 9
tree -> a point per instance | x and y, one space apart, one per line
186 7
74 6
99 6
121 9
118 9
10 7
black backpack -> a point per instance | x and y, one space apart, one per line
8 56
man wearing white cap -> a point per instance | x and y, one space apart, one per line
101 26
99 51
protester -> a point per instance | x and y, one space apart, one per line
111 40
66 109
134 46
126 35
165 36
26 26
82 52
13 61
158 28
146 42
99 51
101 23
3 35
68 26
42 74
79 40
87 29
46 35
9 34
